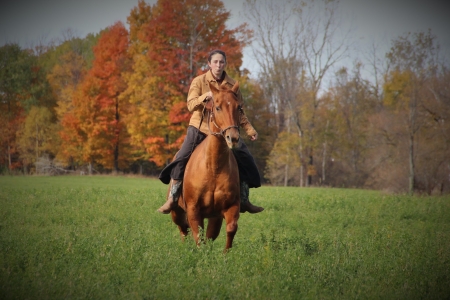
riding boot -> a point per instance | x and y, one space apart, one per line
245 202
172 199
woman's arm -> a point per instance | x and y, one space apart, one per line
196 97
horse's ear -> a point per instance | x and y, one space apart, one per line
235 87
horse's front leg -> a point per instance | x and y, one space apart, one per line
195 222
214 225
179 218
231 218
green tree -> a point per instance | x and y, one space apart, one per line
37 136
22 85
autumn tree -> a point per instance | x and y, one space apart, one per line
343 129
296 45
145 118
433 157
413 61
257 110
284 153
66 65
37 135
169 46
109 133
64 79
96 127
22 85
70 43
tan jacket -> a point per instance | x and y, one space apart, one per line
197 94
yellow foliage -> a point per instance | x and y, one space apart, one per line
398 89
37 135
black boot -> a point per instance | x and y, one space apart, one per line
245 202
172 199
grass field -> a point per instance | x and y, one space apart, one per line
99 237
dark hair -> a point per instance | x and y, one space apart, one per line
216 51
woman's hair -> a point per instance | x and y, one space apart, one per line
216 51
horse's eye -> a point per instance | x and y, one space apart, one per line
240 109
217 108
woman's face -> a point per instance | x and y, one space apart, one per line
217 64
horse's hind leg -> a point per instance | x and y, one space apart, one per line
231 217
214 225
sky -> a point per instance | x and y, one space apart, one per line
29 22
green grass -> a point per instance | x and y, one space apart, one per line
100 238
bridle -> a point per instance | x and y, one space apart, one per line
211 118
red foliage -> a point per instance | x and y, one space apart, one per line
179 114
182 33
94 127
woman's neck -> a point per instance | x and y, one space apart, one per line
220 78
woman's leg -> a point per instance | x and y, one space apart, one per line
249 177
174 171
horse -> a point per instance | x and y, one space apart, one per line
211 180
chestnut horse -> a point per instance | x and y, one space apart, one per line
211 179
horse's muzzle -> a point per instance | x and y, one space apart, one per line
232 138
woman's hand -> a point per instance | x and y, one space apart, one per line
208 103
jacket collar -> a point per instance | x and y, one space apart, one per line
227 78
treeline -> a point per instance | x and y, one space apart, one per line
115 101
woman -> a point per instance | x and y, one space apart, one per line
198 97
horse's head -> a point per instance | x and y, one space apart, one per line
225 114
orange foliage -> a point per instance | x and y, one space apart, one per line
94 131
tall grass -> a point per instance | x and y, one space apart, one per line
100 238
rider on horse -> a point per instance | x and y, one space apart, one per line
198 97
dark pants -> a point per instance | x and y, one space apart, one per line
248 171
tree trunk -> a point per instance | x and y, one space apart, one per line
286 173
116 158
411 164
311 163
116 146
323 161
8 137
412 122
37 144
324 153
9 156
